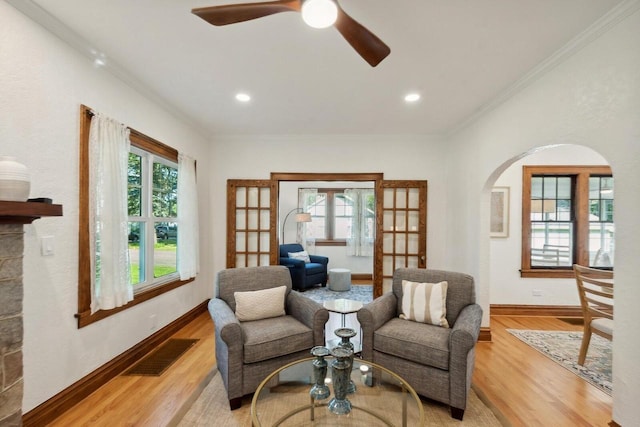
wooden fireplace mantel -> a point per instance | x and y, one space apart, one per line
26 212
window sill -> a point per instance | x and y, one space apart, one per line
542 273
330 243
86 318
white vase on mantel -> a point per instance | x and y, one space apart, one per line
14 180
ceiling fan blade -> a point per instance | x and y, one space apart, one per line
232 13
367 44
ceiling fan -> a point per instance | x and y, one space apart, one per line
316 13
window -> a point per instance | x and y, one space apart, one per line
328 216
567 218
153 230
152 222
332 216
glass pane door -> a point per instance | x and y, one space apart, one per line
402 229
249 223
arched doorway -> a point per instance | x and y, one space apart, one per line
507 287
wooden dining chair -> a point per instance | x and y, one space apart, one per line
595 288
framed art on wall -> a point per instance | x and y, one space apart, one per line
499 212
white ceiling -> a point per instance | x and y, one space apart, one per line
461 55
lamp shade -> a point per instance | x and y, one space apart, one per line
299 217
303 217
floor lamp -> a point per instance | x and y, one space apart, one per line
301 216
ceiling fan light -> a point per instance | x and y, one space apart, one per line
319 13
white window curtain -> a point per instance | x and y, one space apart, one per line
108 162
360 239
188 233
304 236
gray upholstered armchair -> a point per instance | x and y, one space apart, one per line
437 361
249 350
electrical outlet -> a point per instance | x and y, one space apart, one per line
536 293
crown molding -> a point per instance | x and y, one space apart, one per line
612 18
59 29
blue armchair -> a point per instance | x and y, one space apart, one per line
304 274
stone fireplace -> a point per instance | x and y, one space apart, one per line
13 216
11 385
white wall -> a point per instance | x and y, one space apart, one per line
590 99
338 258
506 285
42 84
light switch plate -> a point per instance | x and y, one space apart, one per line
47 245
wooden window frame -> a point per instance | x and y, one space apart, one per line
329 219
146 143
580 206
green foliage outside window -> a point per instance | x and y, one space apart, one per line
156 220
165 191
135 185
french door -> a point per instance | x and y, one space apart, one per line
251 223
401 223
401 232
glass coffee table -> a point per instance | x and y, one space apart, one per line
381 398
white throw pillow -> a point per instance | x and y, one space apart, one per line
256 305
425 302
303 255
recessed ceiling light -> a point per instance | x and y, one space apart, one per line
243 97
412 97
99 59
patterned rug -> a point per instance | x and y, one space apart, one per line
563 347
362 293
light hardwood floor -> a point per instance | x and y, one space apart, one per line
149 401
527 388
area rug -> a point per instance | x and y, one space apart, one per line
211 408
363 293
563 347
